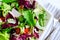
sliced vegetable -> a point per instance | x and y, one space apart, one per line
17 30
26 31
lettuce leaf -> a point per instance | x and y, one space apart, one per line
28 15
42 18
4 36
6 8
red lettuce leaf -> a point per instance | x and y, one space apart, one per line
5 25
36 35
12 37
27 4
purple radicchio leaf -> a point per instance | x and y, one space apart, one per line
12 37
27 4
24 36
36 35
8 16
5 25
21 2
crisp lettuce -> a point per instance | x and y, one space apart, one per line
28 15
42 18
6 8
41 14
4 36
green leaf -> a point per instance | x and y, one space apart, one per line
6 8
42 17
7 30
8 1
21 19
4 36
28 15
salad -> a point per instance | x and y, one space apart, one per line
19 18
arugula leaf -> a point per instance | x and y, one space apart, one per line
28 15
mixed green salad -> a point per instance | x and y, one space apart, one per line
24 26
